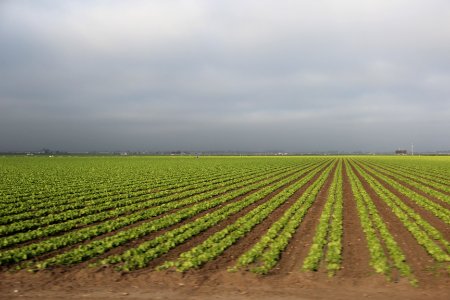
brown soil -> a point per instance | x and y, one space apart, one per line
108 284
355 254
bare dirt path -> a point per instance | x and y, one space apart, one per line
107 284
355 254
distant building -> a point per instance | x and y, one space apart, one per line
401 152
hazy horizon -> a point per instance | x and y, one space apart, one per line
295 76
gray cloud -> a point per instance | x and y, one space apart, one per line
202 75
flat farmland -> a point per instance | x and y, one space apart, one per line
306 227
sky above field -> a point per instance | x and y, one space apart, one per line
225 75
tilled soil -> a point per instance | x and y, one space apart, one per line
201 284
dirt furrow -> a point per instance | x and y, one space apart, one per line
355 254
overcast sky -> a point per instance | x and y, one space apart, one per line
224 75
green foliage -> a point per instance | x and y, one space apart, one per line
327 241
83 207
419 228
265 254
217 243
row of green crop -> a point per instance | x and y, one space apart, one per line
120 187
173 201
70 202
415 181
202 203
266 252
140 256
99 247
329 230
434 169
43 178
418 176
58 213
438 210
69 193
376 232
79 181
423 232
71 238
116 208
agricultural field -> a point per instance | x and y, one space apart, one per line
378 225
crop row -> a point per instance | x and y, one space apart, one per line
376 232
43 177
217 243
173 201
43 208
266 252
412 166
98 247
80 235
115 208
207 205
421 177
415 181
423 232
438 210
140 256
329 230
